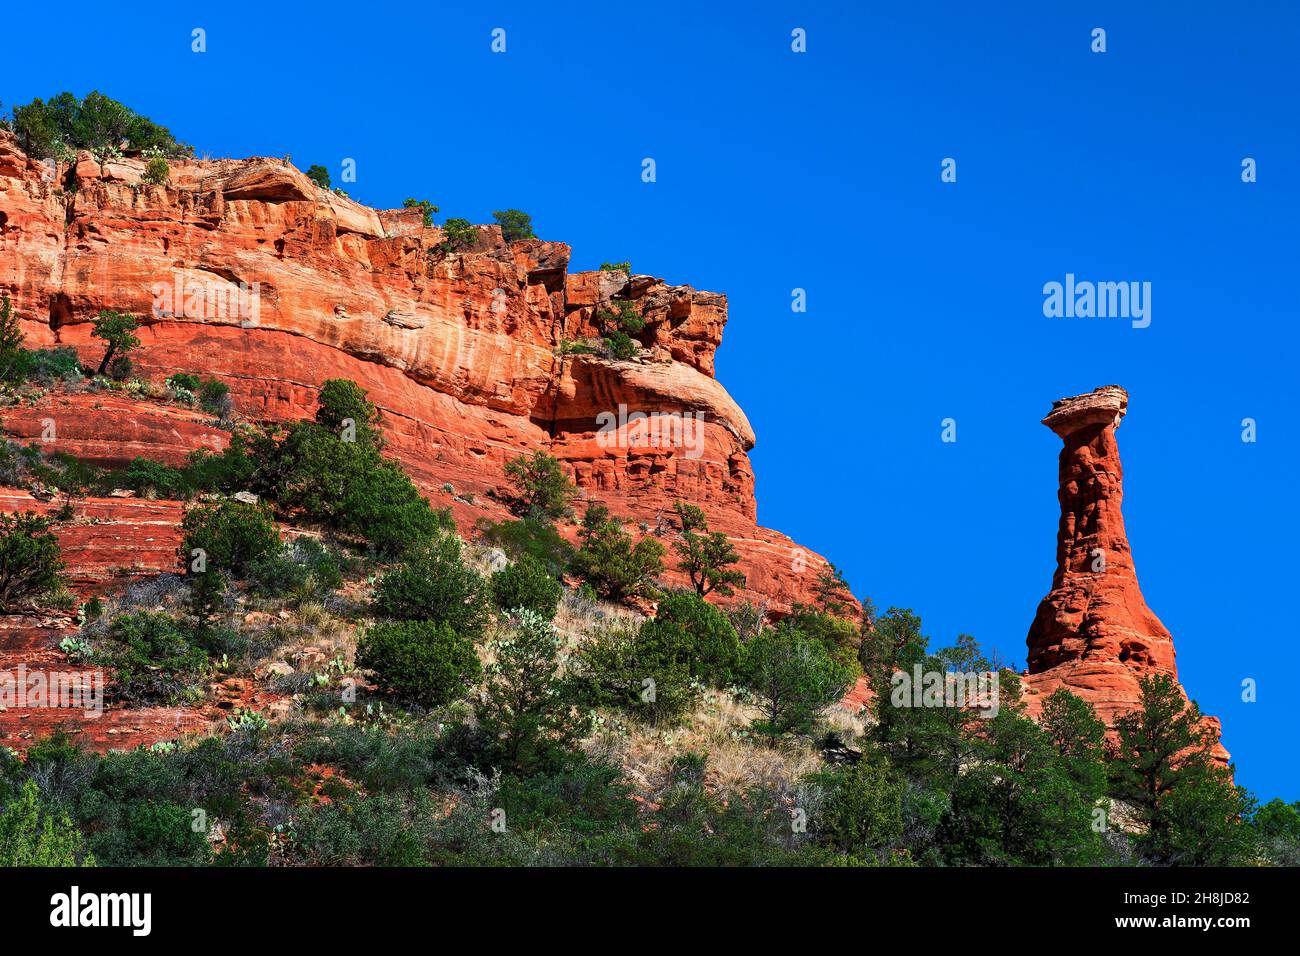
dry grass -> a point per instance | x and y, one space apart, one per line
311 636
718 727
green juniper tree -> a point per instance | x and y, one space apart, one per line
1164 768
542 489
793 680
117 329
611 563
705 555
319 175
527 707
32 834
427 209
515 224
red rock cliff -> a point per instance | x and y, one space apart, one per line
1093 633
462 352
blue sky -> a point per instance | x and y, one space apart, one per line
820 171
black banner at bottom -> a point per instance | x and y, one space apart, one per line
147 906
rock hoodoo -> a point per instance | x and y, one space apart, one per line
1093 633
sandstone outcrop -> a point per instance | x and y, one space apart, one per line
1094 634
247 271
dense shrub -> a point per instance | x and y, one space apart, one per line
331 469
1016 803
154 657
621 346
96 123
526 583
226 471
231 534
532 537
378 830
184 381
319 175
30 561
214 397
841 637
32 834
303 568
385 509
793 679
1276 827
154 479
863 811
46 366
527 708
157 833
458 234
622 316
433 584
157 172
311 470
688 630
617 667
426 662
618 328
343 407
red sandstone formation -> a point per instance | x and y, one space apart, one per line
461 351
1094 634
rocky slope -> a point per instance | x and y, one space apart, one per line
461 351
1093 633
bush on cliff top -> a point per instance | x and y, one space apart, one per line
515 224
95 123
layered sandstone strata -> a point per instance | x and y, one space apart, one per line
1094 634
248 271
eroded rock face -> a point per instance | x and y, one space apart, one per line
1093 633
247 271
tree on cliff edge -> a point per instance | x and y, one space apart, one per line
515 224
95 122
